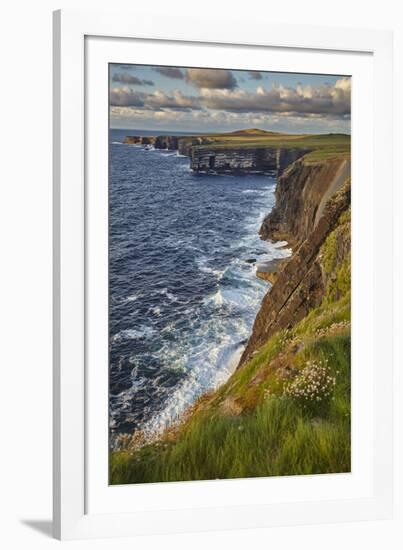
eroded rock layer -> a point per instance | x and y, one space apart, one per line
260 160
301 195
300 284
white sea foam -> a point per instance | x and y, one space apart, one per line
216 299
253 191
279 244
155 311
209 351
201 376
171 296
202 265
132 298
134 333
215 349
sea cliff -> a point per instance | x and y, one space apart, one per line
247 160
301 195
250 151
286 408
311 197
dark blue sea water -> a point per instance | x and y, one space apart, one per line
183 290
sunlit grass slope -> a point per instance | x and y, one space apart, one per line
320 146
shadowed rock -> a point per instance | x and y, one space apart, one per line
299 286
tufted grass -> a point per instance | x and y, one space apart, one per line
275 438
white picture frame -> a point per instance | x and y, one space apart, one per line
74 444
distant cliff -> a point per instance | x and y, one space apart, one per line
207 158
249 151
244 160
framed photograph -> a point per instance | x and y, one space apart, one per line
222 303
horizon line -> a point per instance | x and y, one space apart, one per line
171 131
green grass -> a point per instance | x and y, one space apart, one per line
318 147
321 146
276 439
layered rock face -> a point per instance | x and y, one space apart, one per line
301 195
245 160
218 160
254 151
303 191
186 144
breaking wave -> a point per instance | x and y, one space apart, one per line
183 287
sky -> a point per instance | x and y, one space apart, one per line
163 98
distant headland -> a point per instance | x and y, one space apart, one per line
248 151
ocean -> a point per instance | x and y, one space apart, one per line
183 293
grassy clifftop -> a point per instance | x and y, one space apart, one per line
322 146
314 146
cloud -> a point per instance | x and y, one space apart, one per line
170 72
211 78
176 100
324 100
126 97
126 78
255 75
212 121
301 108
